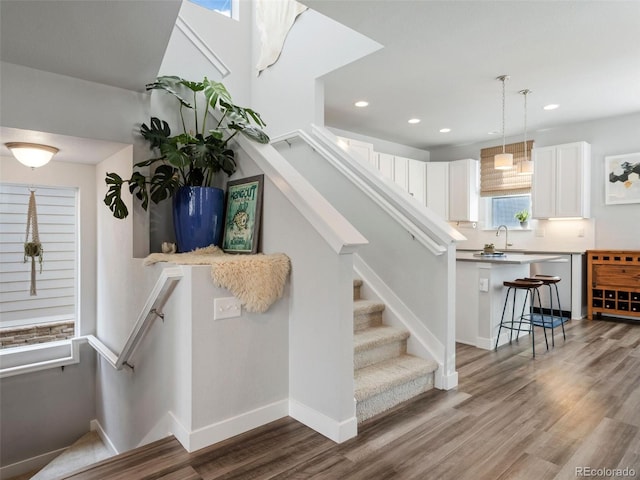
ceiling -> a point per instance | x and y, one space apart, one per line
439 61
116 43
441 58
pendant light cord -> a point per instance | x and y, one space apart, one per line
503 78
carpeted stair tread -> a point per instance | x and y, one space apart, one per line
361 307
376 336
384 376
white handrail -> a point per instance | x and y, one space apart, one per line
434 234
152 309
328 222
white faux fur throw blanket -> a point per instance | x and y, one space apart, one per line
256 280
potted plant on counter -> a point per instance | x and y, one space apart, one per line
523 217
184 165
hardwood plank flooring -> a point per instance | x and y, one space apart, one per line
511 417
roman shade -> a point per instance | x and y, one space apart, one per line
494 183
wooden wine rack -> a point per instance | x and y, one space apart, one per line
613 282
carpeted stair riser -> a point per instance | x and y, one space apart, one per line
357 283
381 402
366 314
377 344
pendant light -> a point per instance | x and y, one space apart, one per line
503 161
526 166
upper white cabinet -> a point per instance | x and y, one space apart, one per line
429 184
438 188
385 164
360 150
561 181
463 190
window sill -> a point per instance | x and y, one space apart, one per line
33 358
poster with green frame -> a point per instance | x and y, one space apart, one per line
243 215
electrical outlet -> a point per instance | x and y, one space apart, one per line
581 232
539 232
484 284
226 307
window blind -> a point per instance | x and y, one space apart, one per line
494 182
57 285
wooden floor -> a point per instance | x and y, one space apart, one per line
577 406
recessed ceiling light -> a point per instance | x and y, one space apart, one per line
494 132
413 121
551 106
361 103
445 130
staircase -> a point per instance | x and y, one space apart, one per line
385 375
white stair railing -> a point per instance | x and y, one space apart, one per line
152 309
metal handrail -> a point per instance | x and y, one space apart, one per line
152 309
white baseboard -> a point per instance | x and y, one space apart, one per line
216 432
445 382
33 463
94 425
330 428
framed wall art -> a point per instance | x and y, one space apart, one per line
622 178
243 214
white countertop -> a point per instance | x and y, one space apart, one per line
530 251
509 258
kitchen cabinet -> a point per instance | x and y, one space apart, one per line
561 182
360 150
463 190
401 172
613 282
385 164
429 184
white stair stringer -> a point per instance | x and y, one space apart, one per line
384 374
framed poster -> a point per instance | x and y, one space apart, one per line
243 214
622 178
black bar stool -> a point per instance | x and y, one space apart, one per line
553 321
530 288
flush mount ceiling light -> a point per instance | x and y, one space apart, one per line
445 130
413 121
525 167
551 106
361 104
503 161
32 155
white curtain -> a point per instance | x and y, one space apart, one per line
274 20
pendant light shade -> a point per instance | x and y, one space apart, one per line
32 154
503 161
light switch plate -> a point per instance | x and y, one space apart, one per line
226 307
484 284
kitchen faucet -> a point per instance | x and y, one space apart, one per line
506 236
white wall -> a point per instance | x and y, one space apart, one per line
611 226
287 94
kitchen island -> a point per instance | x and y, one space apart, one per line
480 293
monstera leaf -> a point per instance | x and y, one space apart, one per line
157 134
164 183
113 198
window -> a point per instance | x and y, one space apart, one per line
224 7
51 314
503 209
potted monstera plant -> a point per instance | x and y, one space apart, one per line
184 165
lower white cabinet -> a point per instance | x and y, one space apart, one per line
463 190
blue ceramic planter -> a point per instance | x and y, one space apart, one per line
198 216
